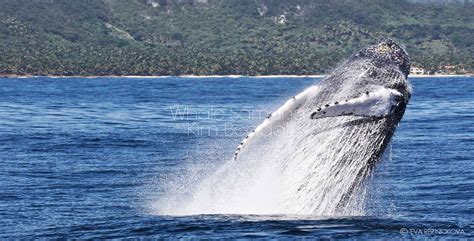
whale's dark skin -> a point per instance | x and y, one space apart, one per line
388 65
347 141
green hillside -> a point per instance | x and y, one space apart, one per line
176 37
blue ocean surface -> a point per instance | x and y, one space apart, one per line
90 158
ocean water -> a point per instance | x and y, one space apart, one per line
100 157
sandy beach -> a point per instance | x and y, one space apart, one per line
211 76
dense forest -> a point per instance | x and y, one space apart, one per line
203 37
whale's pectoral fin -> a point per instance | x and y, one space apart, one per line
277 118
379 103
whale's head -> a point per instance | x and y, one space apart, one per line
384 64
372 83
384 54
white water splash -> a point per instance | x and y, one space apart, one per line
263 184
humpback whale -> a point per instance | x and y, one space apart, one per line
314 154
336 129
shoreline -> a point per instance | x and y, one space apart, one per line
160 76
206 76
439 75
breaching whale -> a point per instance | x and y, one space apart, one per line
335 130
